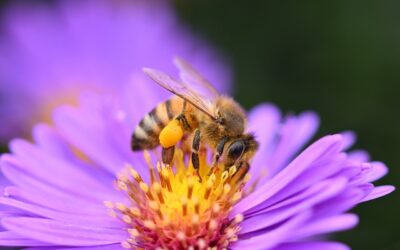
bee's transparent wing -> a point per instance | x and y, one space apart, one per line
199 100
194 79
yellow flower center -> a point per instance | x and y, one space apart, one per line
175 210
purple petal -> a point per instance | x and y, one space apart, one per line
326 225
312 176
12 239
377 171
47 139
349 138
296 131
325 147
107 247
361 173
312 246
272 238
264 121
25 181
16 172
46 167
64 204
83 133
63 233
55 145
98 221
149 96
288 208
341 203
379 192
75 127
350 171
359 156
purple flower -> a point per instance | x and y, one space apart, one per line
52 52
78 184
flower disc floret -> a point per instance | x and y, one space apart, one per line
177 209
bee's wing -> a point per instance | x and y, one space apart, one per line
200 101
196 81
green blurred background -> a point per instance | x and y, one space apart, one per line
340 58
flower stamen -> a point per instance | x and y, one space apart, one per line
174 210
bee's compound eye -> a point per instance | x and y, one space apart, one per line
236 150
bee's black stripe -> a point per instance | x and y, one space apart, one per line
138 144
183 120
147 128
156 119
169 111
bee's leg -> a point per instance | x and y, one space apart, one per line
195 152
218 153
182 119
168 155
168 149
243 168
169 136
220 150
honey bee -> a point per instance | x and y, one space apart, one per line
198 109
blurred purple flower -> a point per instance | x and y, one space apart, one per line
56 196
51 52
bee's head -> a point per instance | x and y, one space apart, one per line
240 149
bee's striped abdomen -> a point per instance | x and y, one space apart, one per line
147 131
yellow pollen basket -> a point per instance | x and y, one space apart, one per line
173 210
171 134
